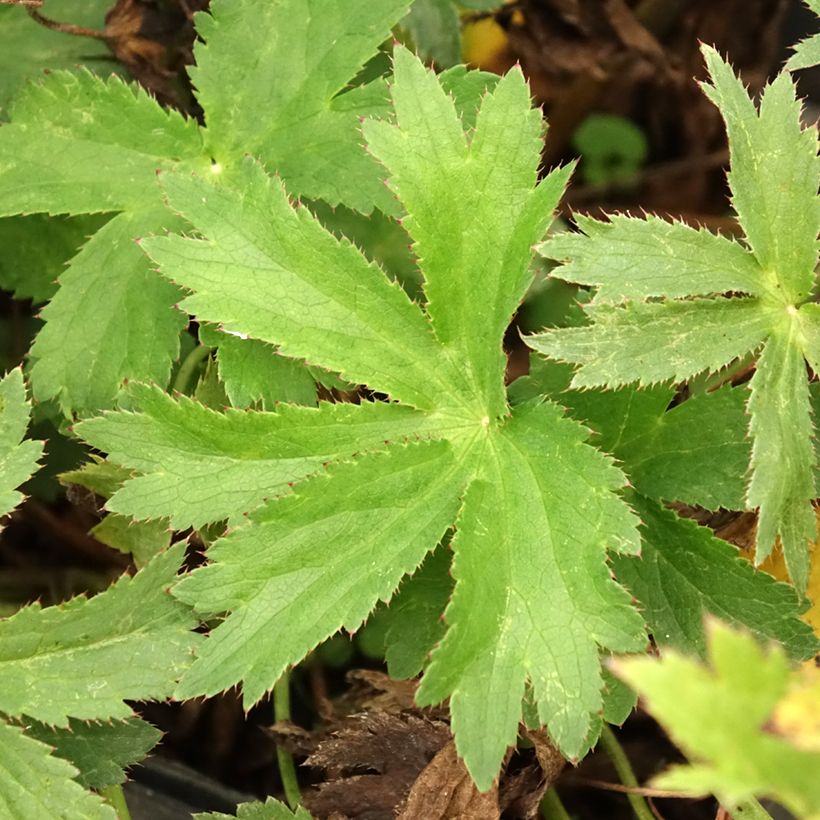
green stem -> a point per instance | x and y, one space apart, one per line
750 810
115 797
551 806
188 368
287 769
624 769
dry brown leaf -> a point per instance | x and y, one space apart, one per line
445 791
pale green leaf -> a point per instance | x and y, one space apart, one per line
111 320
652 342
269 810
806 54
200 466
337 546
100 751
18 456
101 477
435 29
546 503
720 716
629 258
83 659
293 63
474 211
271 272
774 176
89 124
35 784
809 317
783 457
253 372
142 539
34 250
684 573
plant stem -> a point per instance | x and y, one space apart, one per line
624 769
115 797
287 769
185 374
551 806
750 810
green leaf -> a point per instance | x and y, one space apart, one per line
807 52
100 751
720 716
34 783
253 372
684 573
377 486
271 272
672 335
809 316
111 320
414 618
383 512
546 502
245 44
783 457
89 124
201 466
473 217
142 539
269 810
652 342
18 457
628 258
34 250
101 477
130 642
435 28
774 176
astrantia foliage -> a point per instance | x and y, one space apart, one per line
525 495
113 318
672 301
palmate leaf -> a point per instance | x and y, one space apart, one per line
18 457
663 308
83 659
727 717
342 540
67 127
36 783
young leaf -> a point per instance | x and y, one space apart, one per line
343 540
18 457
100 751
269 810
35 783
130 642
721 715
665 307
